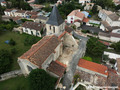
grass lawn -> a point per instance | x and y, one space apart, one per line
17 83
20 47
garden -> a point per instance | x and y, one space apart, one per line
12 46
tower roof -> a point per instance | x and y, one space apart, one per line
55 18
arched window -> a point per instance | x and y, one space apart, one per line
54 29
50 27
29 68
31 32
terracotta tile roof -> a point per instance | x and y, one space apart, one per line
113 17
56 68
16 18
77 13
86 20
33 25
8 10
93 66
40 51
61 35
105 43
20 11
106 25
104 34
115 35
106 12
31 13
118 64
34 16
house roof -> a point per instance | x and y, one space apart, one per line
42 17
40 51
114 17
104 34
77 13
55 18
86 20
31 13
93 66
105 43
33 25
118 64
68 29
106 25
16 18
20 11
107 12
115 35
57 68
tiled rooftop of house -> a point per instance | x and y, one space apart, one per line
115 35
105 43
57 67
107 12
77 13
85 20
40 51
114 17
33 25
68 29
93 66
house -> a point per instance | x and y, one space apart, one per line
10 12
3 3
36 6
33 28
92 73
88 6
109 20
39 19
117 66
55 23
17 20
97 75
84 1
75 15
116 2
113 36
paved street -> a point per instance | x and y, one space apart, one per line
91 29
67 79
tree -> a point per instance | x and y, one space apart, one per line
5 61
94 47
12 42
40 80
116 46
87 58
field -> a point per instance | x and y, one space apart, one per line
20 47
17 83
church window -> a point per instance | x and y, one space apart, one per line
29 68
31 32
54 29
50 27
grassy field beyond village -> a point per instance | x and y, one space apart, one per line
17 83
20 47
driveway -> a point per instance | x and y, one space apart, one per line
68 77
91 28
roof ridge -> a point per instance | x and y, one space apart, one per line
40 46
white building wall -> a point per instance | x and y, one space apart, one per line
116 23
114 39
102 15
104 38
23 65
84 1
112 55
102 27
116 31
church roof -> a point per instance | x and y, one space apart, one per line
55 18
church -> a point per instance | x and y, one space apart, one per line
44 53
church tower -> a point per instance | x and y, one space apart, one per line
55 24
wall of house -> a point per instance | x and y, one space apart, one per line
58 29
109 21
102 27
48 61
114 39
116 31
84 1
102 15
112 55
29 31
23 65
116 23
89 71
104 38
70 19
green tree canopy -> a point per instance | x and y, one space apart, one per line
94 47
40 80
87 58
5 61
116 46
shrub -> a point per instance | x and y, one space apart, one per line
13 50
12 42
87 58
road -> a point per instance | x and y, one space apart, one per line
68 77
